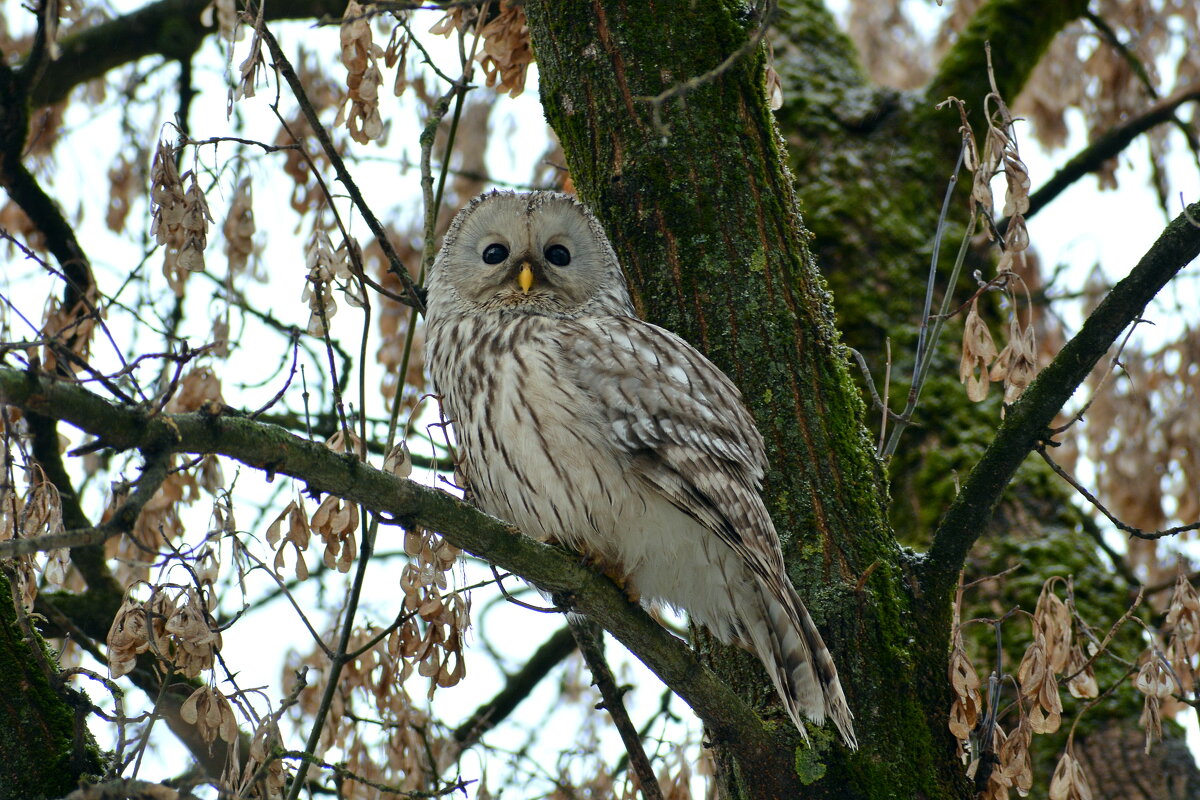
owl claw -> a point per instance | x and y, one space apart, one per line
613 572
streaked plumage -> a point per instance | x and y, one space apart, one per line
582 424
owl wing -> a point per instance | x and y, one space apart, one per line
682 423
683 426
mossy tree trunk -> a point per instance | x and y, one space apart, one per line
695 192
45 747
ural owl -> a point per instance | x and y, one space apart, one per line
582 424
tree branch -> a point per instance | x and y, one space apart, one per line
1019 32
1107 146
518 686
1028 420
122 520
590 639
169 28
276 451
396 265
89 560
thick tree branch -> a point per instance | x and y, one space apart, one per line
1019 32
121 521
25 191
1028 420
169 28
276 451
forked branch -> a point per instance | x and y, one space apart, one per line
1028 420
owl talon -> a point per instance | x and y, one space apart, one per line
564 602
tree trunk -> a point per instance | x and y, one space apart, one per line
696 196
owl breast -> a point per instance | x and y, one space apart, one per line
536 452
529 441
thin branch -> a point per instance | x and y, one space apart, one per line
1112 365
1131 530
1103 646
168 28
1028 419
516 688
766 14
866 373
1107 146
396 265
928 336
122 520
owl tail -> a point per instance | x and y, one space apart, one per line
784 638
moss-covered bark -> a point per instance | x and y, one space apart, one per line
872 164
694 194
44 748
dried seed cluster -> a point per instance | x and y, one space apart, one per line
38 512
1000 759
403 750
180 218
174 624
360 56
507 52
1016 364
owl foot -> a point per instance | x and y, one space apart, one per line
613 572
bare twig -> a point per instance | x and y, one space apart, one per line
1112 365
1116 626
396 265
1091 498
1029 418
516 688
875 398
928 336
1106 147
766 13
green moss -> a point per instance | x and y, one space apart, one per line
701 210
810 766
40 755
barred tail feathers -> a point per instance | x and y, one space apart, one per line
787 642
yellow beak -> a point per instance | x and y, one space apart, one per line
525 277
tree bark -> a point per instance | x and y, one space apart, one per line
669 140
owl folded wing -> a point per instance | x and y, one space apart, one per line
682 424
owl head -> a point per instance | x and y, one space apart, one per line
535 253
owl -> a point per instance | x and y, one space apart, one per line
583 425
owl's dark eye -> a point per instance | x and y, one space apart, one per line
558 255
494 253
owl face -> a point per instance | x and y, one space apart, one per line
534 253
